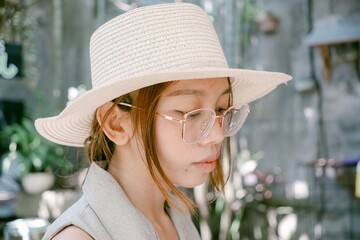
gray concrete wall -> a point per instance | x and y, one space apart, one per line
285 123
300 123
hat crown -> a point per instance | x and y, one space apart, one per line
158 38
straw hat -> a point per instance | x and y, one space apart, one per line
146 46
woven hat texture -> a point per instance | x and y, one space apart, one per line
146 46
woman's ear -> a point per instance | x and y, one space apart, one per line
116 124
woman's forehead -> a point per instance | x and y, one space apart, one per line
198 87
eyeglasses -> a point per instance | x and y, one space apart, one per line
197 124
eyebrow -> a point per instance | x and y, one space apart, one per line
182 92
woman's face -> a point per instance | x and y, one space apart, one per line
189 165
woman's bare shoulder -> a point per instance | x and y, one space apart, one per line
72 232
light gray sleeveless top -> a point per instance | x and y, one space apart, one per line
105 212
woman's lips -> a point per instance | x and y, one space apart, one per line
207 165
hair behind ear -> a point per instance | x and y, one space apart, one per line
99 147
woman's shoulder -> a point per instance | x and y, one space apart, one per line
75 220
72 232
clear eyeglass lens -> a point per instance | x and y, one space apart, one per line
234 119
199 123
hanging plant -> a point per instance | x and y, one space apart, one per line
17 31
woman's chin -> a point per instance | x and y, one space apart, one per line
191 183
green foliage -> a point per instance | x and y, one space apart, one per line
36 153
250 11
16 20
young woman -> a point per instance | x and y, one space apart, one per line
162 103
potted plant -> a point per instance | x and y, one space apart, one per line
38 158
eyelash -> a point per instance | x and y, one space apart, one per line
218 110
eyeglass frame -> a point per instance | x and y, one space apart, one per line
183 121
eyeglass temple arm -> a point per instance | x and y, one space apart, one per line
164 116
128 105
171 118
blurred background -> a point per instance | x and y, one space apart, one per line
295 159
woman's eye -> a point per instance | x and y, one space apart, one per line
195 115
183 112
179 113
221 110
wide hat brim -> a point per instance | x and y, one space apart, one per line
72 126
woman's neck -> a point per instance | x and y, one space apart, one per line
132 174
129 169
